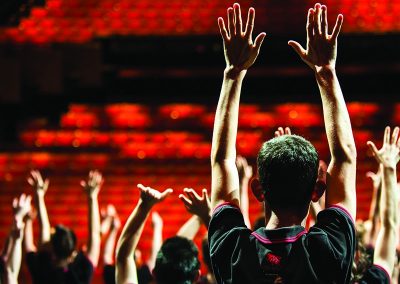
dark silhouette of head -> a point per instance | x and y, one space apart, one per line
63 241
287 169
177 262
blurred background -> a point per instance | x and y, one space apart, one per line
130 87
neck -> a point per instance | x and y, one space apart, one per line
284 219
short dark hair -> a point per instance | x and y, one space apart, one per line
63 241
288 168
177 262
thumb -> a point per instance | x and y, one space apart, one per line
259 40
297 48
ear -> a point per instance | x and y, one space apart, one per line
320 183
257 189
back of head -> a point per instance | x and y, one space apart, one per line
288 168
63 241
177 262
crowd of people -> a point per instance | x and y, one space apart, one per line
291 183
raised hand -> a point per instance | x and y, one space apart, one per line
21 207
150 196
244 169
321 50
375 178
196 204
36 181
93 184
239 49
388 155
281 131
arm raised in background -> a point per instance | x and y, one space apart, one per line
125 265
387 156
320 55
29 243
92 188
21 207
373 222
157 241
200 207
245 172
240 54
114 224
40 187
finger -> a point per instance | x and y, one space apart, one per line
231 22
338 26
166 193
277 134
395 135
238 19
370 175
187 202
21 200
317 19
205 194
46 184
222 29
310 24
324 21
31 181
15 203
83 183
258 41
193 194
288 131
373 148
28 200
297 48
386 135
280 129
250 23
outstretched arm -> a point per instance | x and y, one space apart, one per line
21 207
125 264
387 156
40 187
320 55
92 187
373 222
29 243
190 229
240 54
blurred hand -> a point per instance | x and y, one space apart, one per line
239 49
388 155
21 207
39 185
375 178
151 196
93 184
321 48
245 171
195 204
281 131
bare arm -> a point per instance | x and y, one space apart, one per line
40 187
157 239
320 55
92 188
190 229
127 243
373 216
245 172
240 54
29 243
21 207
387 156
109 245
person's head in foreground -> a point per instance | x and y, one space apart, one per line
177 262
288 180
63 242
